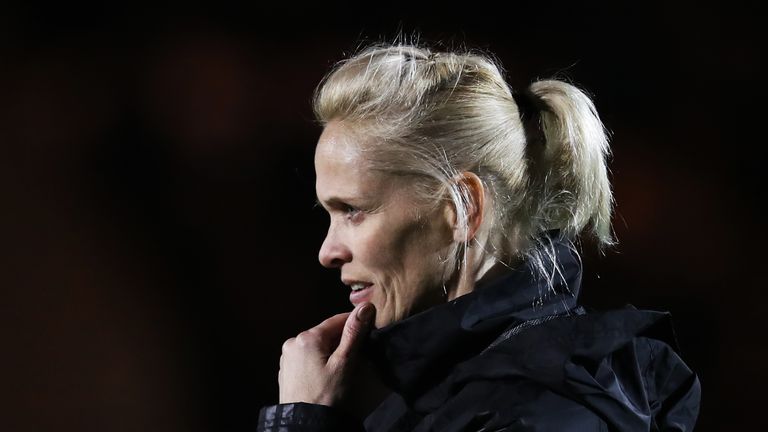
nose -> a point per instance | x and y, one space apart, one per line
334 252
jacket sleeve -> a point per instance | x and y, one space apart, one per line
304 417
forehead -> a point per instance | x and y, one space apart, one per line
341 165
338 145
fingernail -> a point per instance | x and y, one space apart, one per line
365 313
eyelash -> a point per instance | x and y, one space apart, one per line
352 212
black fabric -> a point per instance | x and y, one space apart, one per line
303 417
518 355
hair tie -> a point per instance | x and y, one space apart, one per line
528 104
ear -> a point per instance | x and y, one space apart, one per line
473 193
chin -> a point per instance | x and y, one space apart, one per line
380 323
383 321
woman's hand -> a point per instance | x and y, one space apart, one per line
318 364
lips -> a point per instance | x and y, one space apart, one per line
359 296
361 291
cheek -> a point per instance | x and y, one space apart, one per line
414 259
384 248
404 253
398 253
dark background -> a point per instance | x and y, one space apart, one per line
157 226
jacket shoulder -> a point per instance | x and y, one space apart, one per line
612 370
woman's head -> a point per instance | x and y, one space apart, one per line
389 250
441 135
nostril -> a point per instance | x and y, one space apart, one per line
333 252
328 257
333 255
332 260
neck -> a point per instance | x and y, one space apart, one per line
471 273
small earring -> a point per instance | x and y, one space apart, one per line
445 291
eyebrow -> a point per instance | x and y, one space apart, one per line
330 202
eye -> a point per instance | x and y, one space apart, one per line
353 213
350 210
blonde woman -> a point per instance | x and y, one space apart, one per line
454 205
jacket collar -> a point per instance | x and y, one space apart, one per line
415 353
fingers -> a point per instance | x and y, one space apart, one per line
356 328
326 335
322 338
337 336
332 325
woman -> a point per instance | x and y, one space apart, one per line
454 204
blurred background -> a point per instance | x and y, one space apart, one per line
157 221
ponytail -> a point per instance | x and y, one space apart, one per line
569 176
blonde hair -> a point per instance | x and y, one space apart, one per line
434 115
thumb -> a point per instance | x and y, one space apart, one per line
356 328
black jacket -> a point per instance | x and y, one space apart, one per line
516 356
